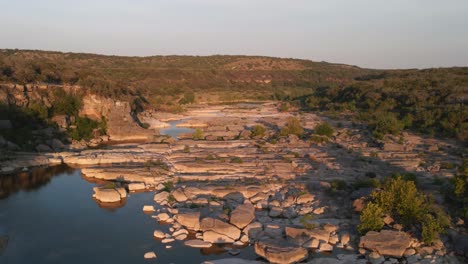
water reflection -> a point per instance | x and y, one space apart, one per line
30 180
174 131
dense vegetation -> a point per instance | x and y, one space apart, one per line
400 199
430 101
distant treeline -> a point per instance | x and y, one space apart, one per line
430 101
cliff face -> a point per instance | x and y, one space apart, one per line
120 124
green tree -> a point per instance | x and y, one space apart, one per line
371 218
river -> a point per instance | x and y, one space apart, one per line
48 215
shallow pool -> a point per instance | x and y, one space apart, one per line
175 131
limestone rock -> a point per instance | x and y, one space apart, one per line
280 251
217 231
386 242
197 243
107 195
179 195
136 187
242 215
190 220
305 198
160 197
150 255
159 234
148 208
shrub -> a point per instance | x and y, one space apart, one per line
84 129
258 131
189 98
168 186
319 139
236 160
385 123
198 134
400 199
324 129
186 149
65 104
371 218
293 127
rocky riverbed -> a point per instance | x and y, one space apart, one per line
231 190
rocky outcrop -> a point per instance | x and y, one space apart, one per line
121 126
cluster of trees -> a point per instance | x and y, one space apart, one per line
400 199
430 101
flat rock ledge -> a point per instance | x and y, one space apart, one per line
386 242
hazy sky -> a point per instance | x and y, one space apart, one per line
367 33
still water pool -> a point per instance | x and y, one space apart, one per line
174 131
48 216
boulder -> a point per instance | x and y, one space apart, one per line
161 197
162 217
305 198
107 195
43 148
242 215
217 231
148 208
159 234
150 255
280 251
136 187
57 145
386 242
190 220
179 195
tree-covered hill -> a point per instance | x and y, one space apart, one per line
428 100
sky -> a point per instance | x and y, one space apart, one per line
367 33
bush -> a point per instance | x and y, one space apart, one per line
371 218
385 123
198 134
293 127
84 129
400 199
324 129
189 98
258 131
236 160
186 149
65 104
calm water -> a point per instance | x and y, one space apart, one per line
49 216
175 131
